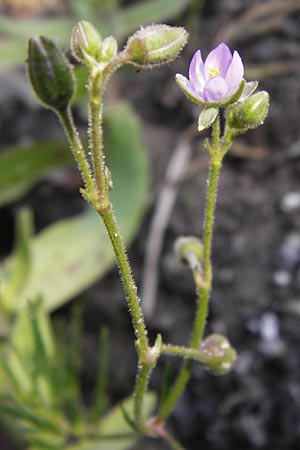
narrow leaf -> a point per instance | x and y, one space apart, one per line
21 266
21 413
100 401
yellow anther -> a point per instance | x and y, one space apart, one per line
214 71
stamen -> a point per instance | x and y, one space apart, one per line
212 72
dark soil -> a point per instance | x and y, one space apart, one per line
256 254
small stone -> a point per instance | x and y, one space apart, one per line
282 278
290 202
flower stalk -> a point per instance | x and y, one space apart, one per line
204 286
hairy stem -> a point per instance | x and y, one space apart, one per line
140 390
67 121
137 317
127 278
204 289
96 138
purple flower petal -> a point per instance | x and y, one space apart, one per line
235 73
196 72
218 59
186 87
215 90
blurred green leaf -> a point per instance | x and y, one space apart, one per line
22 413
145 13
30 361
21 168
22 260
70 255
100 396
114 424
90 9
16 33
120 24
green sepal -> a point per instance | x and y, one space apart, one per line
248 90
207 117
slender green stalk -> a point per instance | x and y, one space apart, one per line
204 289
104 209
173 443
127 278
139 393
144 369
77 148
185 352
96 137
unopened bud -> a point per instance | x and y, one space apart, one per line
86 43
155 44
50 74
187 248
109 48
217 354
249 113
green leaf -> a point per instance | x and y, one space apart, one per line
26 415
70 255
22 260
114 424
144 13
17 32
114 421
21 168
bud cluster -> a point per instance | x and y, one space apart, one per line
88 47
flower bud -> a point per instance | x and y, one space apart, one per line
86 43
217 354
109 48
249 113
155 44
50 74
187 248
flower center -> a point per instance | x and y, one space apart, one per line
214 71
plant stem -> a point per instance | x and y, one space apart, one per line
173 443
96 137
127 278
77 148
140 390
177 350
105 211
204 289
144 369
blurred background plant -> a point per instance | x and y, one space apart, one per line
36 170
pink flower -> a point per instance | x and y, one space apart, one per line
215 80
